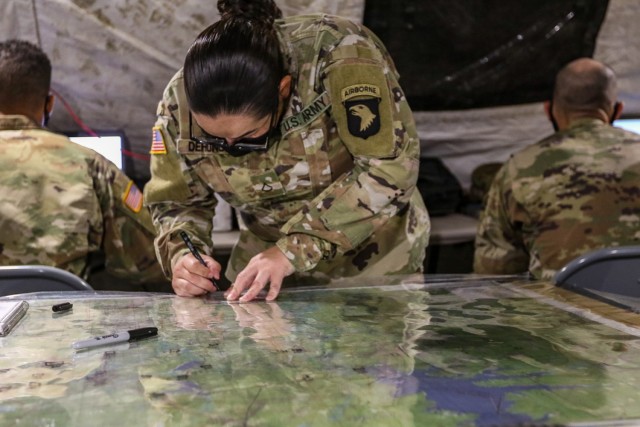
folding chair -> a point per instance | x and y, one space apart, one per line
609 274
20 279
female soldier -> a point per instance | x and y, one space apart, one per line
300 125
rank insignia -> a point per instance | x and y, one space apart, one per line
361 103
132 197
157 144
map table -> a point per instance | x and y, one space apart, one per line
403 351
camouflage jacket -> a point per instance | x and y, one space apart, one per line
571 193
62 202
339 181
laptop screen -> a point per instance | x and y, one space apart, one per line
632 125
110 146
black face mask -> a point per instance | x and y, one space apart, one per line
551 118
47 114
616 110
241 146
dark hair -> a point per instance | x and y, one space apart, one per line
235 65
25 73
585 85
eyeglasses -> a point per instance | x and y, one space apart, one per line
240 147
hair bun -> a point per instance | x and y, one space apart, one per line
250 10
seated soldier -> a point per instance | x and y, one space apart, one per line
63 205
573 192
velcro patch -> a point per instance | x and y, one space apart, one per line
363 109
132 197
157 144
189 146
307 115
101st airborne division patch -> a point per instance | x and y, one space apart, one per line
363 116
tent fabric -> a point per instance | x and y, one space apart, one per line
113 58
479 54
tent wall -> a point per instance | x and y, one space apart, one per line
112 59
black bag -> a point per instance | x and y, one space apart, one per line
440 189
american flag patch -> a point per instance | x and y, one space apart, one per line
132 197
157 144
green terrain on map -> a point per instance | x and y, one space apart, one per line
382 356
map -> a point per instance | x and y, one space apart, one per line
469 353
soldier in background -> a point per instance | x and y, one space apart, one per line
62 205
575 191
300 125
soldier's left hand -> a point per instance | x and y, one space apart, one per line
268 267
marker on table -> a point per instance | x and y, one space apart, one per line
195 253
133 335
62 307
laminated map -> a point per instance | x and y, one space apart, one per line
410 353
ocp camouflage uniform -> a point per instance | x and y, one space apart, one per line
575 191
62 203
336 192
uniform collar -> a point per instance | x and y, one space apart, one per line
17 122
291 64
587 122
286 48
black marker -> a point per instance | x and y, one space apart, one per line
194 252
122 336
62 307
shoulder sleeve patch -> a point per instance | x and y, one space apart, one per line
362 109
158 145
132 197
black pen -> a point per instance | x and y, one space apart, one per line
195 253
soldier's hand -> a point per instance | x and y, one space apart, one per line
191 278
268 267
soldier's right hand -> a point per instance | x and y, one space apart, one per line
191 278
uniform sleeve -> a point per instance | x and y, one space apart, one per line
499 247
375 124
128 235
177 199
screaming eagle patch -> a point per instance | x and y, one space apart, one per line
363 116
363 108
